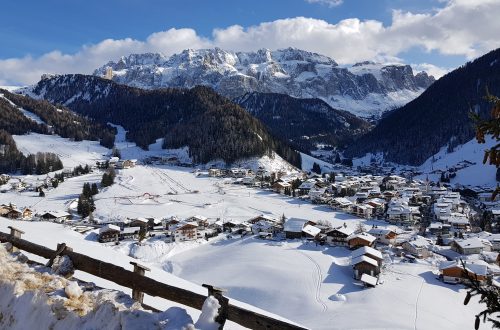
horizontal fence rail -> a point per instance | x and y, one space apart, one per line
141 284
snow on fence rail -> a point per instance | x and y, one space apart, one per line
141 284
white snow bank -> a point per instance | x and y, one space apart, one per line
34 299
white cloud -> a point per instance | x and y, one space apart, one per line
27 70
329 3
431 69
461 27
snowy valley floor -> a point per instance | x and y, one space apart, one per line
309 284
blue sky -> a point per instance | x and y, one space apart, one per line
44 32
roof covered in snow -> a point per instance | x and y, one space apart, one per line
366 250
294 225
311 230
363 258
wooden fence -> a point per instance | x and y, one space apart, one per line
141 284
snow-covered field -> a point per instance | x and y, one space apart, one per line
314 285
308 284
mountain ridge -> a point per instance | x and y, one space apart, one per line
366 89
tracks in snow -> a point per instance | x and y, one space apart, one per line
174 185
416 305
318 281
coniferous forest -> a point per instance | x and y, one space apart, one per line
209 124
438 117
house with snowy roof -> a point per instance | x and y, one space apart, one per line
418 246
293 227
358 240
199 219
399 212
184 231
262 217
364 265
306 186
109 233
369 252
311 232
468 246
362 210
281 186
139 222
439 228
341 203
384 235
456 272
56 216
338 236
458 222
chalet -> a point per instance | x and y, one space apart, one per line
378 205
262 217
467 246
439 228
230 225
362 210
27 213
169 223
369 252
494 240
401 213
56 216
109 233
364 265
311 232
139 222
185 231
316 194
305 187
130 232
454 272
383 235
341 203
338 236
281 186
459 223
418 247
293 227
6 208
13 214
199 219
264 226
359 240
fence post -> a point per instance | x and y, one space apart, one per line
16 233
141 270
223 302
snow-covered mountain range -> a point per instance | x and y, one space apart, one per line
366 89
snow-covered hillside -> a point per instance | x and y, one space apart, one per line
366 89
467 161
